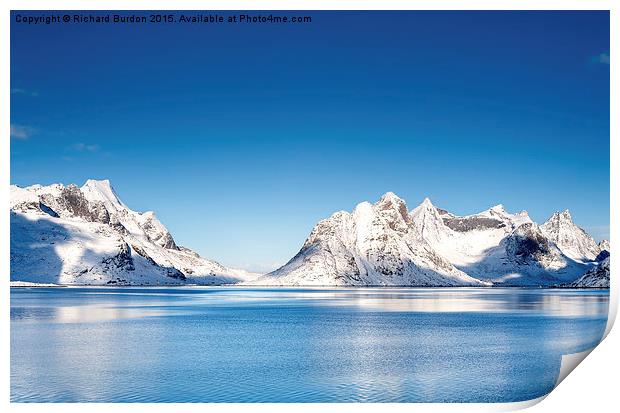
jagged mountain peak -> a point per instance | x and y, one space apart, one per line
391 199
426 207
392 207
99 182
604 249
604 245
428 223
102 191
427 203
571 239
100 185
561 216
498 211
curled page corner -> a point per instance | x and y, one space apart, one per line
569 362
514 406
612 312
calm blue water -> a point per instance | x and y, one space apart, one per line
295 345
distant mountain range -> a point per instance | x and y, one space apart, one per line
385 244
88 236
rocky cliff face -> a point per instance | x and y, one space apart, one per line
70 235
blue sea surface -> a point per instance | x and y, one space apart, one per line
234 344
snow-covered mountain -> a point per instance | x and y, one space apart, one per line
604 245
386 244
572 240
504 249
376 244
597 277
70 235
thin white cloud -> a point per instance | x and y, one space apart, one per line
21 132
602 58
84 147
23 92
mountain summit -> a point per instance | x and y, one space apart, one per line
572 240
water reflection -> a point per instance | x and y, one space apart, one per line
98 304
292 345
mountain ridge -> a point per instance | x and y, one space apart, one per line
87 235
429 246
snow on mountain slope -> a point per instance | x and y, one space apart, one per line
101 191
155 230
385 244
22 198
597 277
465 240
573 241
525 257
376 244
45 249
604 248
494 245
456 238
69 235
604 245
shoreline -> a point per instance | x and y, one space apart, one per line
22 284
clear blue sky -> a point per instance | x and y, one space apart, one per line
241 137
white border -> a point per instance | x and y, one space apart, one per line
594 387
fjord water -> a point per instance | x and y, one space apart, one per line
218 344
